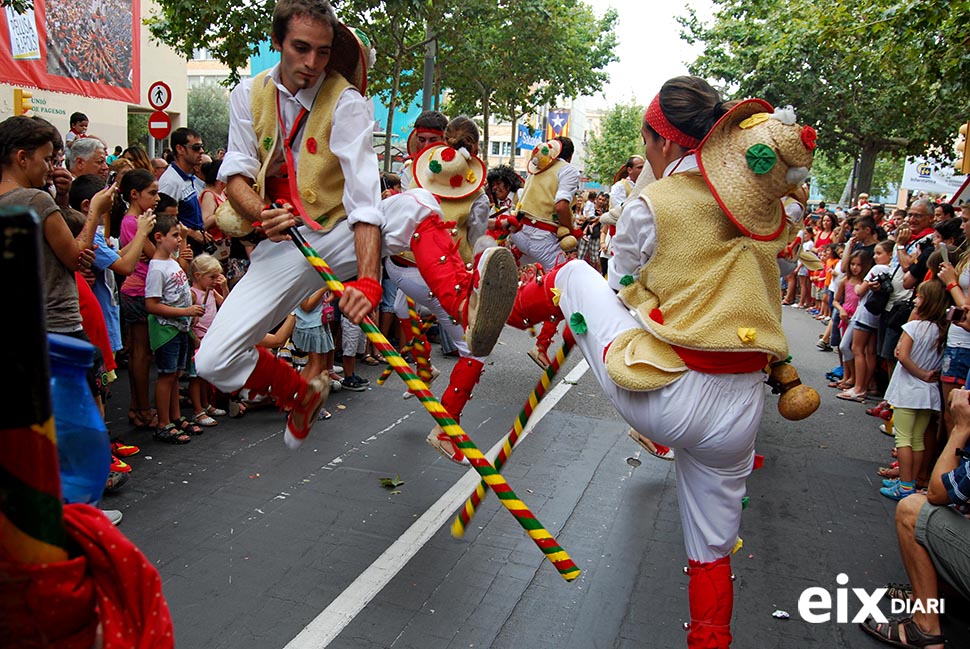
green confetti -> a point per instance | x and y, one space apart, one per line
434 166
578 323
745 502
761 158
626 280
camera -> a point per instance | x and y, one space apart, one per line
955 314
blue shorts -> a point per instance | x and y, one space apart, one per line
956 364
387 295
173 356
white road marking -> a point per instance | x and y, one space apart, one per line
324 628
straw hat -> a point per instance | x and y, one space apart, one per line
543 155
351 55
447 172
752 157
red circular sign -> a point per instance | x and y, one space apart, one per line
159 95
159 125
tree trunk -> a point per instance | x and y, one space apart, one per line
485 115
515 138
392 104
867 164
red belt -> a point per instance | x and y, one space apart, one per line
278 191
541 225
711 362
402 262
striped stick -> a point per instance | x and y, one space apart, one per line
420 345
542 538
386 374
512 439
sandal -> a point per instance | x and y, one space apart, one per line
203 419
898 628
438 440
143 418
849 395
212 411
370 360
888 472
898 591
651 447
189 427
876 411
171 435
841 385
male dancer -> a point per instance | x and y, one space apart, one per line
696 258
301 137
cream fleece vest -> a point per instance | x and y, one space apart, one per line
320 180
539 194
455 210
707 287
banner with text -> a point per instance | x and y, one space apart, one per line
84 48
927 175
526 139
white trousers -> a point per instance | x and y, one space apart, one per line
538 246
710 419
279 278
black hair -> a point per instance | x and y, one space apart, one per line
431 119
567 148
131 180
180 136
164 202
21 133
866 222
692 105
210 171
83 189
77 118
948 210
164 224
951 229
507 175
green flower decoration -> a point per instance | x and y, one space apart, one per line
434 166
761 158
626 280
578 323
267 143
745 502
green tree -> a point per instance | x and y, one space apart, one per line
618 139
872 76
830 173
138 129
208 113
510 57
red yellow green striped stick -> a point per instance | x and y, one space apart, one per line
511 440
386 374
542 538
420 345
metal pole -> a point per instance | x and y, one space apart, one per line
429 53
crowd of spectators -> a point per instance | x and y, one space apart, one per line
91 41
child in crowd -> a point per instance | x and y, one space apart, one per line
830 280
209 289
137 194
847 303
312 335
821 309
866 324
168 301
913 389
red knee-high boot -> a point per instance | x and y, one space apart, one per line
536 301
463 379
711 594
541 352
304 399
481 299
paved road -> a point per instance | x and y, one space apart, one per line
255 542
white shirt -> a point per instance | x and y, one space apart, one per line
635 240
618 193
569 179
351 141
907 391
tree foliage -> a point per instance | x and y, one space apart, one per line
208 113
830 173
509 57
872 76
618 139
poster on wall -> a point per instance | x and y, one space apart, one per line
83 47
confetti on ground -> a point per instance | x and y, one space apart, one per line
780 615
341 406
392 483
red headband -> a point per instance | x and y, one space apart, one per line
658 121
434 131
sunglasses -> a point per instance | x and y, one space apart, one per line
198 147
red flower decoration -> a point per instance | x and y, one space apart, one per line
808 137
456 181
657 316
448 154
311 145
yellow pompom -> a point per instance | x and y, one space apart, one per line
470 176
754 120
746 334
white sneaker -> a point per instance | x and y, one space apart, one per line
113 515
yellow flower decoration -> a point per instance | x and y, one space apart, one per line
556 295
754 120
470 176
746 334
